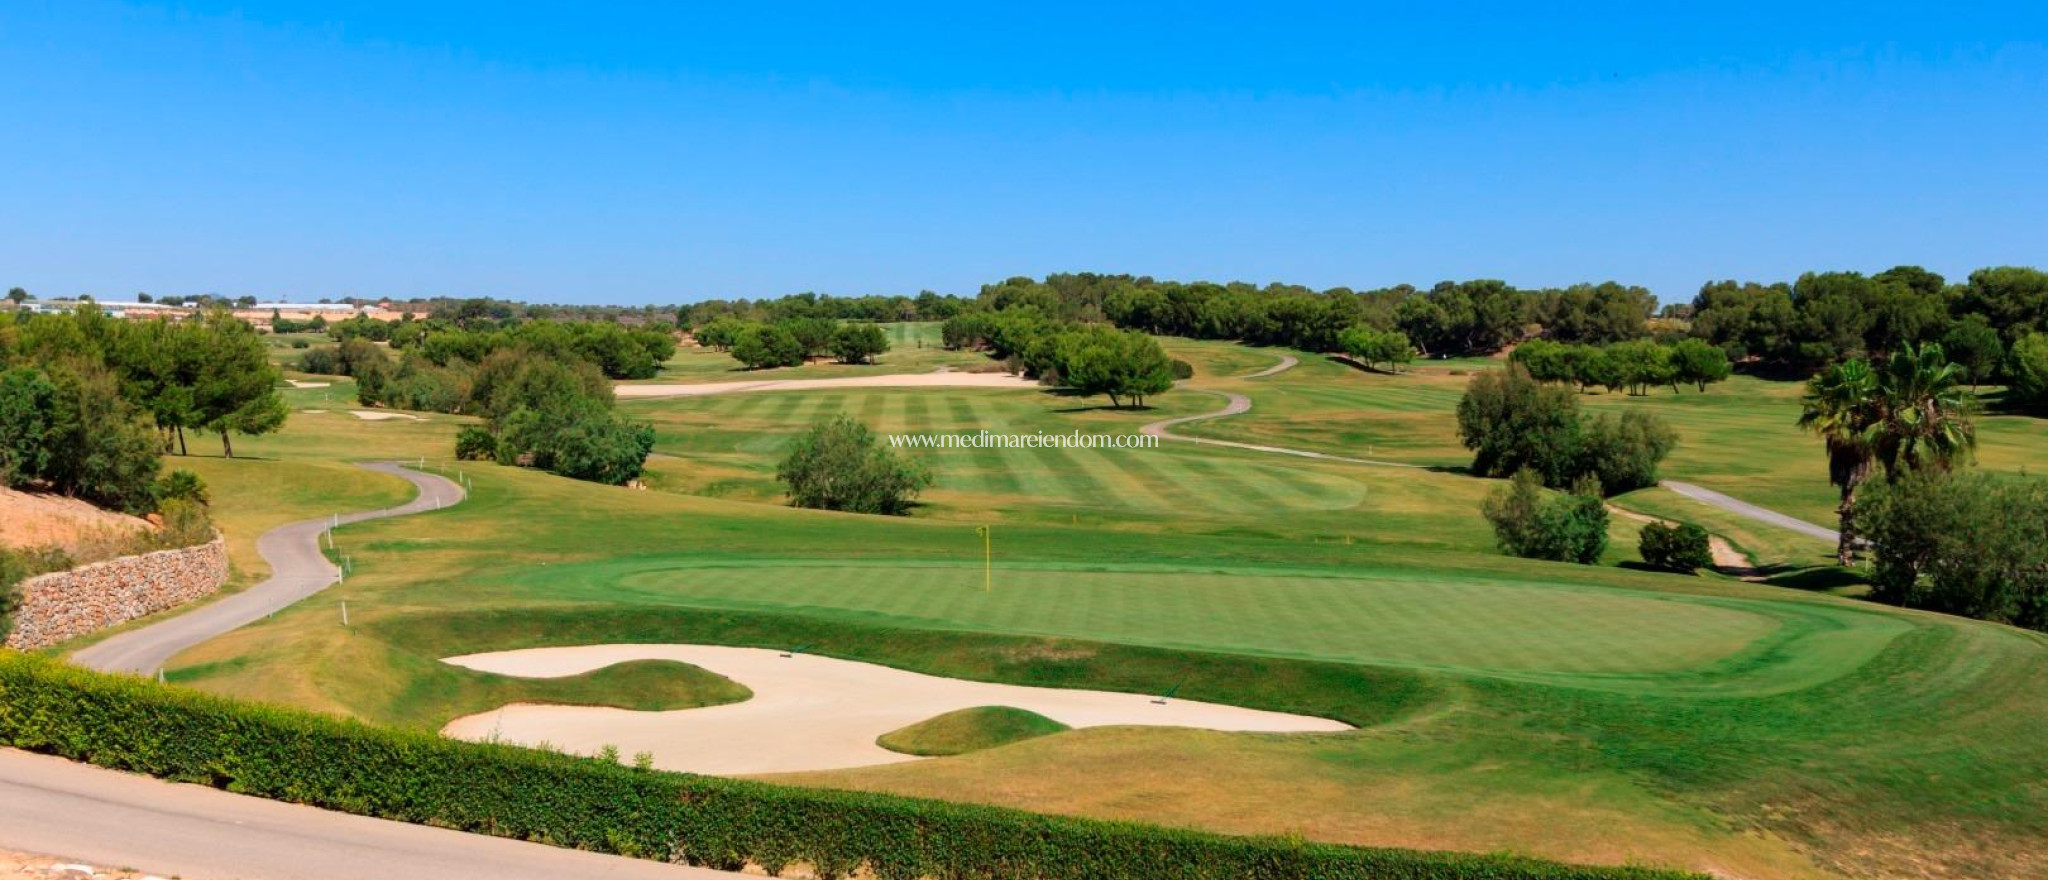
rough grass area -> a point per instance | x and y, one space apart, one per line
426 693
969 730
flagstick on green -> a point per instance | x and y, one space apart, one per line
987 560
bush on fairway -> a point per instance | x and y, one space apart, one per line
838 465
475 443
1961 543
1681 548
136 725
969 730
761 346
1124 364
559 417
1512 422
1565 528
858 343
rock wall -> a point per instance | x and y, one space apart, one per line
64 605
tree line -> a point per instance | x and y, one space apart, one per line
789 342
89 404
1086 358
545 400
1635 366
1800 326
925 306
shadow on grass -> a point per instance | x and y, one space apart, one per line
1815 578
1078 395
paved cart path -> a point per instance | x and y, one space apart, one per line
297 570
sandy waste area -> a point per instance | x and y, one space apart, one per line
807 713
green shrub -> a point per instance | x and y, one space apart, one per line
475 443
1563 528
414 776
181 485
839 465
1681 548
1512 422
761 346
858 343
2028 365
1967 543
1182 370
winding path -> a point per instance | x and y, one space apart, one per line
297 570
1238 404
1740 507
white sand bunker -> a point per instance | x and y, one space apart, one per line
369 415
808 713
300 383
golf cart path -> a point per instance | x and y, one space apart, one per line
939 379
1287 362
50 805
807 712
1238 404
1740 507
297 570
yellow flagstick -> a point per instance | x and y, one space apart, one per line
987 561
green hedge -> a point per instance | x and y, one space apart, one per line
137 725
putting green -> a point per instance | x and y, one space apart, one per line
1590 636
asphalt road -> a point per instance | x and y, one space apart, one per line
75 811
1744 508
297 570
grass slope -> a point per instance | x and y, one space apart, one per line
969 730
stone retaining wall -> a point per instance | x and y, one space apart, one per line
64 605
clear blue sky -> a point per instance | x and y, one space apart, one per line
600 152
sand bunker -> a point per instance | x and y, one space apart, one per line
375 416
808 713
300 383
947 379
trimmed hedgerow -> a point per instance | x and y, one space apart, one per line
137 725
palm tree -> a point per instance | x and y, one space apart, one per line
1926 419
1844 406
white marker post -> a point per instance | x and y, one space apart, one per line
344 612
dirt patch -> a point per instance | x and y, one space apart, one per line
24 865
29 519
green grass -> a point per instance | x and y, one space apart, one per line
969 730
1585 713
728 446
1740 437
